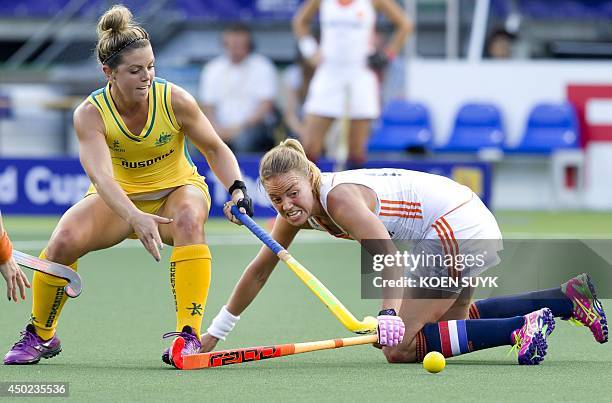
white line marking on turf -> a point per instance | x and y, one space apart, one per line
212 240
310 238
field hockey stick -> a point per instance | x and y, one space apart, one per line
344 316
240 355
72 289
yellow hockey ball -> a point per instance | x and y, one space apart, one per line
434 362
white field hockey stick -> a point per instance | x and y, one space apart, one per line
72 289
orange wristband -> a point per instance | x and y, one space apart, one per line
6 248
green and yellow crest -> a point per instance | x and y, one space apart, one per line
163 138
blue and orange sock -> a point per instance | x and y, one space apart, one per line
457 337
522 304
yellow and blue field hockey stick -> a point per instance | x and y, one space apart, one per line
369 324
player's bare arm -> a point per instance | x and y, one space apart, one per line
352 207
258 271
252 280
303 17
96 160
200 131
397 16
301 29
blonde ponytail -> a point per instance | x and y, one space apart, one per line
289 156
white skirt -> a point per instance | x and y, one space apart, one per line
343 92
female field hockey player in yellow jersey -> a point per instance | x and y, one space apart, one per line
131 137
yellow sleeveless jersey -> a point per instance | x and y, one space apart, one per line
157 157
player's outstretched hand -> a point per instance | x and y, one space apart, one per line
227 211
16 280
390 328
208 343
240 198
145 226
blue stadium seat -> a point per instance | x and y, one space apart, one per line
477 126
549 127
403 125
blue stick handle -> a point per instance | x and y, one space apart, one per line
257 230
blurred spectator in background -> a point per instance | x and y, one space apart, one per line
499 44
343 86
295 81
238 90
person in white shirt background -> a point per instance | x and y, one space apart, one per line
238 90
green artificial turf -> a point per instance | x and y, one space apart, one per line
112 343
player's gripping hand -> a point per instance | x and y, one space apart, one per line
390 328
145 227
241 199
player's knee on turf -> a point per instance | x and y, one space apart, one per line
399 355
405 352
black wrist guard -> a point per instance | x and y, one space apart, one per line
237 185
390 312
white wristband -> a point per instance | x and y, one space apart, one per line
308 46
222 324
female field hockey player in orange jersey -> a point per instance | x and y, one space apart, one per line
16 280
435 212
132 137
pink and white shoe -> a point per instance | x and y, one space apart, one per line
530 340
588 311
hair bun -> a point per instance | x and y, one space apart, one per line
116 19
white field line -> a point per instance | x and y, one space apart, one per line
312 237
212 240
